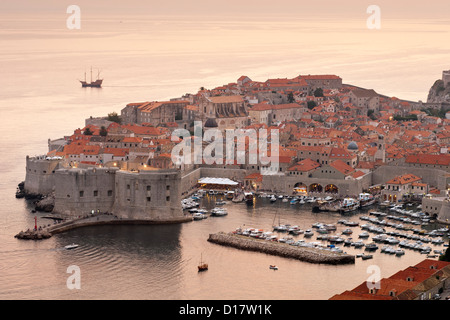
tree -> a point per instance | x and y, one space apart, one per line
88 132
103 131
446 255
318 92
290 97
114 117
311 105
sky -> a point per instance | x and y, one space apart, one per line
399 9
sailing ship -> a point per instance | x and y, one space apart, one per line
94 84
202 266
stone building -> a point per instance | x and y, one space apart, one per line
157 112
228 112
365 100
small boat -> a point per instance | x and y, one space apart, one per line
71 246
366 199
249 198
371 247
273 199
220 203
273 267
347 231
308 233
202 266
199 216
366 256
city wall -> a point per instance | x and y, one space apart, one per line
433 177
40 177
81 191
148 195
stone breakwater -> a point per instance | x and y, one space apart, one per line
91 220
312 255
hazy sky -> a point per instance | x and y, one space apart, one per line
398 9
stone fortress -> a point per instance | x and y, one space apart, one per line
148 195
155 195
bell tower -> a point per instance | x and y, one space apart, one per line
446 77
380 154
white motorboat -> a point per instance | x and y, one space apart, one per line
199 216
71 246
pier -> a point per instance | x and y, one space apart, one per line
312 255
90 220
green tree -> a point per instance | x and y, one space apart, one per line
446 255
318 92
114 117
103 131
290 97
88 132
311 105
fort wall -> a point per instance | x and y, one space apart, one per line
40 177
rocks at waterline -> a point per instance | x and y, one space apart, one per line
33 235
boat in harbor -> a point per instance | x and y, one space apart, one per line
273 267
199 216
349 205
249 198
366 199
219 212
93 84
202 266
71 246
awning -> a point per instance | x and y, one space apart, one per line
218 181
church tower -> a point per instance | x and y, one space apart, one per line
380 154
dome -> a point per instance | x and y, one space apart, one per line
211 123
352 146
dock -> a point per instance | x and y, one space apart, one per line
90 220
307 254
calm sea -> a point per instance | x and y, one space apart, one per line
144 59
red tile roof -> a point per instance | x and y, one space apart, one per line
404 179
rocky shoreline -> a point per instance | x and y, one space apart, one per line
311 255
33 235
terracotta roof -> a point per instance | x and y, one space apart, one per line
305 165
404 179
432 159
226 99
255 176
342 167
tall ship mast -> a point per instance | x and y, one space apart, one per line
96 84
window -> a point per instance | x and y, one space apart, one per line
81 194
149 199
167 198
95 193
149 188
167 187
109 193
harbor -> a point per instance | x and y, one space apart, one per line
365 232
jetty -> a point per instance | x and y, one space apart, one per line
307 254
89 220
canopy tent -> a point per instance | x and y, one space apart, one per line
218 181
